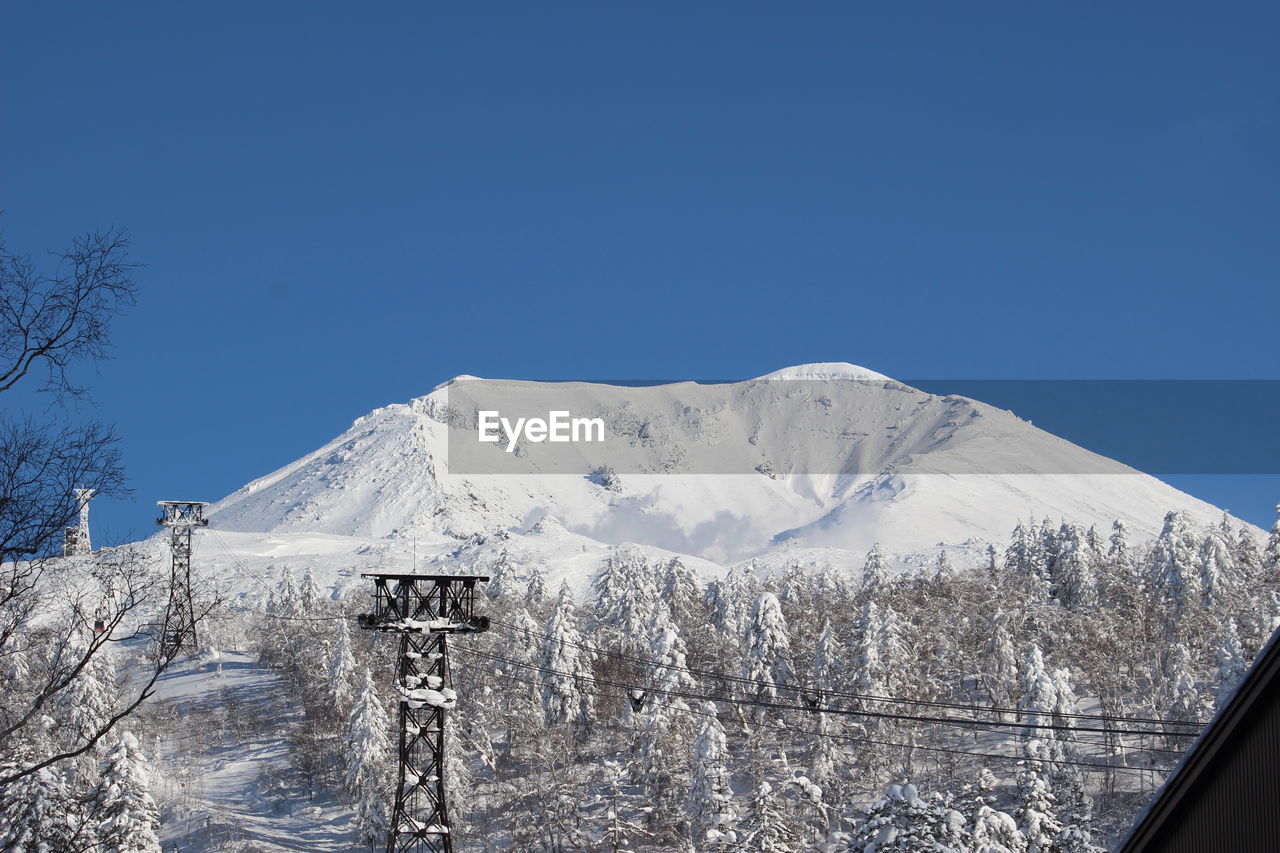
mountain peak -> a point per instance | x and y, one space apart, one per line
827 370
719 473
461 377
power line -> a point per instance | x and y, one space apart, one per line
1095 766
950 721
843 693
995 709
991 709
808 709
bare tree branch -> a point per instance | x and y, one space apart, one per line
53 321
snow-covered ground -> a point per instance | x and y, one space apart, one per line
226 778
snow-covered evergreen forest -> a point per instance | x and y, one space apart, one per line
1034 704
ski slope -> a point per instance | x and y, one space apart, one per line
227 777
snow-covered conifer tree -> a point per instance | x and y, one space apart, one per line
288 602
1271 555
668 673
88 701
1178 693
40 812
342 668
1119 557
1018 557
793 589
874 573
1231 663
880 654
566 667
611 582
1047 543
729 599
1218 576
626 595
282 611
719 606
904 822
1175 569
766 650
1075 583
765 828
35 813
128 818
993 831
663 758
1000 662
1037 813
1076 835
535 591
824 760
942 570
1039 702
681 594
825 674
711 807
309 595
457 771
993 562
1248 560
1092 539
827 666
501 576
1064 705
368 757
524 647
829 588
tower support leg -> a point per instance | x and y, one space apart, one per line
180 617
420 820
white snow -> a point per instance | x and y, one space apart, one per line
238 789
949 471
827 370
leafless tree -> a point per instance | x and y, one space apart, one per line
51 323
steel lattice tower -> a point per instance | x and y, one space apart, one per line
75 538
423 610
182 518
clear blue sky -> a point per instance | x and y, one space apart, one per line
341 205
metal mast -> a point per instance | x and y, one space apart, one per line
75 538
423 610
182 518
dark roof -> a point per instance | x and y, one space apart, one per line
1225 793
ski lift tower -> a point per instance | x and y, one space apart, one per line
182 518
75 538
423 610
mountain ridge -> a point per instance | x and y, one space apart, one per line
918 469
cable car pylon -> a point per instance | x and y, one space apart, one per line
179 632
423 610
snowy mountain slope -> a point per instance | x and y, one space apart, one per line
247 566
878 461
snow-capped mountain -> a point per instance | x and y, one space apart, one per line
820 472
